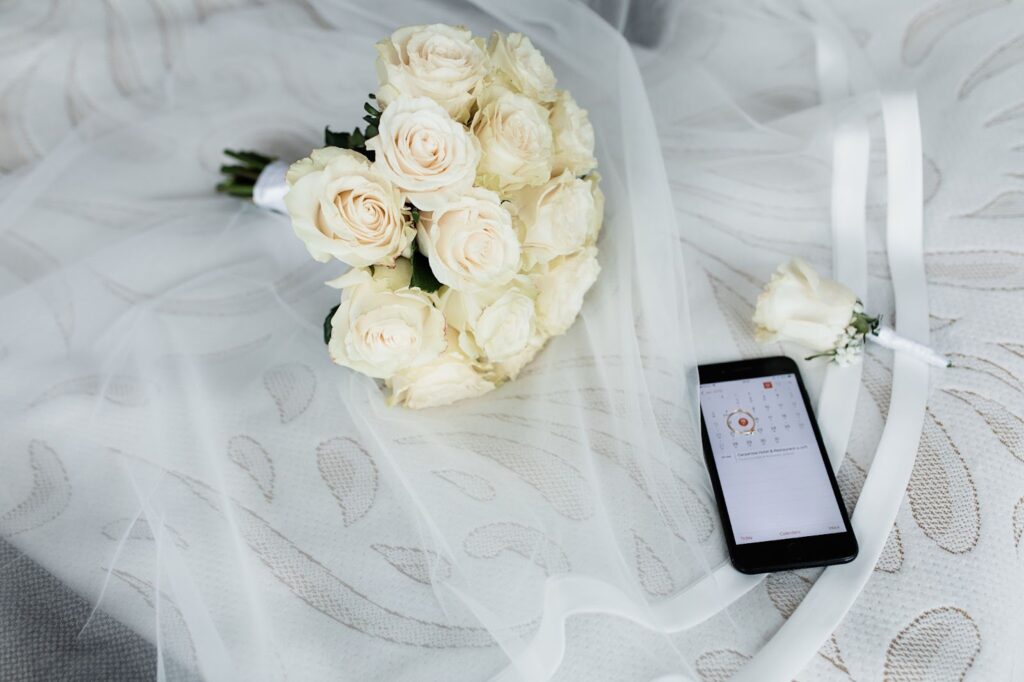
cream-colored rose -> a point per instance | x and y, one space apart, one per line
558 218
521 66
574 137
470 242
561 286
444 63
342 209
801 306
505 327
425 153
515 140
509 369
379 329
448 378
494 325
379 277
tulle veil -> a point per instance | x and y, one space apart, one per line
180 451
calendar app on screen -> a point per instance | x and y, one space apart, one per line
775 483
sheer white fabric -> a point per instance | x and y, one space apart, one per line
181 438
180 450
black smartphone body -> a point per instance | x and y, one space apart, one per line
777 494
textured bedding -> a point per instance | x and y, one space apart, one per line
945 600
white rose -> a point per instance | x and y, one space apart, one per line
574 137
341 208
521 66
379 278
510 368
561 286
470 242
426 154
379 330
558 218
494 325
448 378
799 305
444 63
505 328
515 140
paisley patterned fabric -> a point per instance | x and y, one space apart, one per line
354 591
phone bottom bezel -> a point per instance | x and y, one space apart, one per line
788 555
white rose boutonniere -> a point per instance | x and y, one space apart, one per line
470 242
801 306
341 208
425 153
798 305
521 66
444 63
382 326
515 139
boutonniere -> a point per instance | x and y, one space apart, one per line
801 306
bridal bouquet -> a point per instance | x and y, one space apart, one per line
468 209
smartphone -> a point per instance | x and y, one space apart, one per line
777 494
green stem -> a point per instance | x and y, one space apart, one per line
241 171
240 178
235 190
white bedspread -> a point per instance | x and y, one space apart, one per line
748 166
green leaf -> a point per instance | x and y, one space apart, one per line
865 324
422 276
250 158
327 323
333 139
415 213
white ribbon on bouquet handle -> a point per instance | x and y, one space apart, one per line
270 187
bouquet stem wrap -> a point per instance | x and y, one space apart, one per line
270 187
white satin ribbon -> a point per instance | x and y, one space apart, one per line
270 187
851 151
828 600
888 338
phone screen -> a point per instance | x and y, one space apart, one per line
772 472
